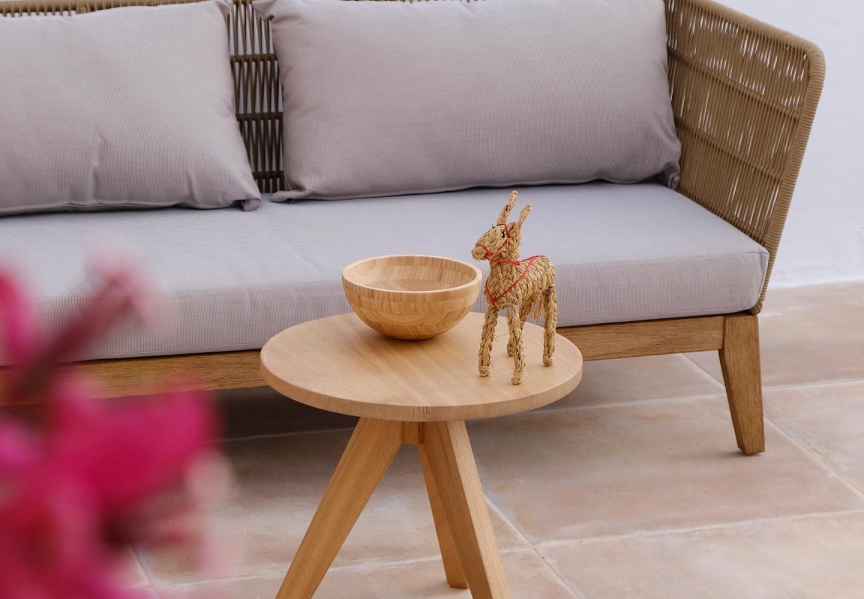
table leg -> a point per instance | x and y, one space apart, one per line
449 553
371 449
452 463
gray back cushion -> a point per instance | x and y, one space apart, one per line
128 107
385 98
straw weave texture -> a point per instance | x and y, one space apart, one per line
744 96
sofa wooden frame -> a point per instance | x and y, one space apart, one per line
744 96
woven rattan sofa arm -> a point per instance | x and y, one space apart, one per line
744 95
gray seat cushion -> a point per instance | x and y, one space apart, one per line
231 279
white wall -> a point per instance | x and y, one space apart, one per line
824 236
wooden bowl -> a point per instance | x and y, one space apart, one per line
411 297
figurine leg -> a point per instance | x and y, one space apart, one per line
518 355
524 311
550 308
486 340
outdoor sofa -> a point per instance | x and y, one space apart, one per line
642 269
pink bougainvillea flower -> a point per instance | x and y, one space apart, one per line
18 328
152 441
71 491
18 449
48 545
99 468
117 297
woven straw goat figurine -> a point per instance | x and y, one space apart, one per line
518 286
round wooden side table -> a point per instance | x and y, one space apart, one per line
416 393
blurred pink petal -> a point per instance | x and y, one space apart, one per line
18 449
118 296
153 443
49 542
51 548
68 496
181 519
21 337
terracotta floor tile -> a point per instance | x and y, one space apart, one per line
810 558
591 472
808 335
279 482
263 411
640 379
528 576
826 419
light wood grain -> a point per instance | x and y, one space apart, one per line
452 463
462 523
411 297
340 365
402 390
412 433
647 338
144 376
742 374
368 455
453 570
242 369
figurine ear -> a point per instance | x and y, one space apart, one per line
524 214
505 213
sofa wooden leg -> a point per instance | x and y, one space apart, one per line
742 375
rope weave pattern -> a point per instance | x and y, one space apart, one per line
521 287
744 95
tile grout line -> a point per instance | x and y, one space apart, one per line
371 566
787 387
697 529
497 511
144 568
622 404
354 567
288 434
358 567
844 381
540 411
704 372
703 369
368 566
815 458
494 508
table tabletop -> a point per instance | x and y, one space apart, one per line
340 365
